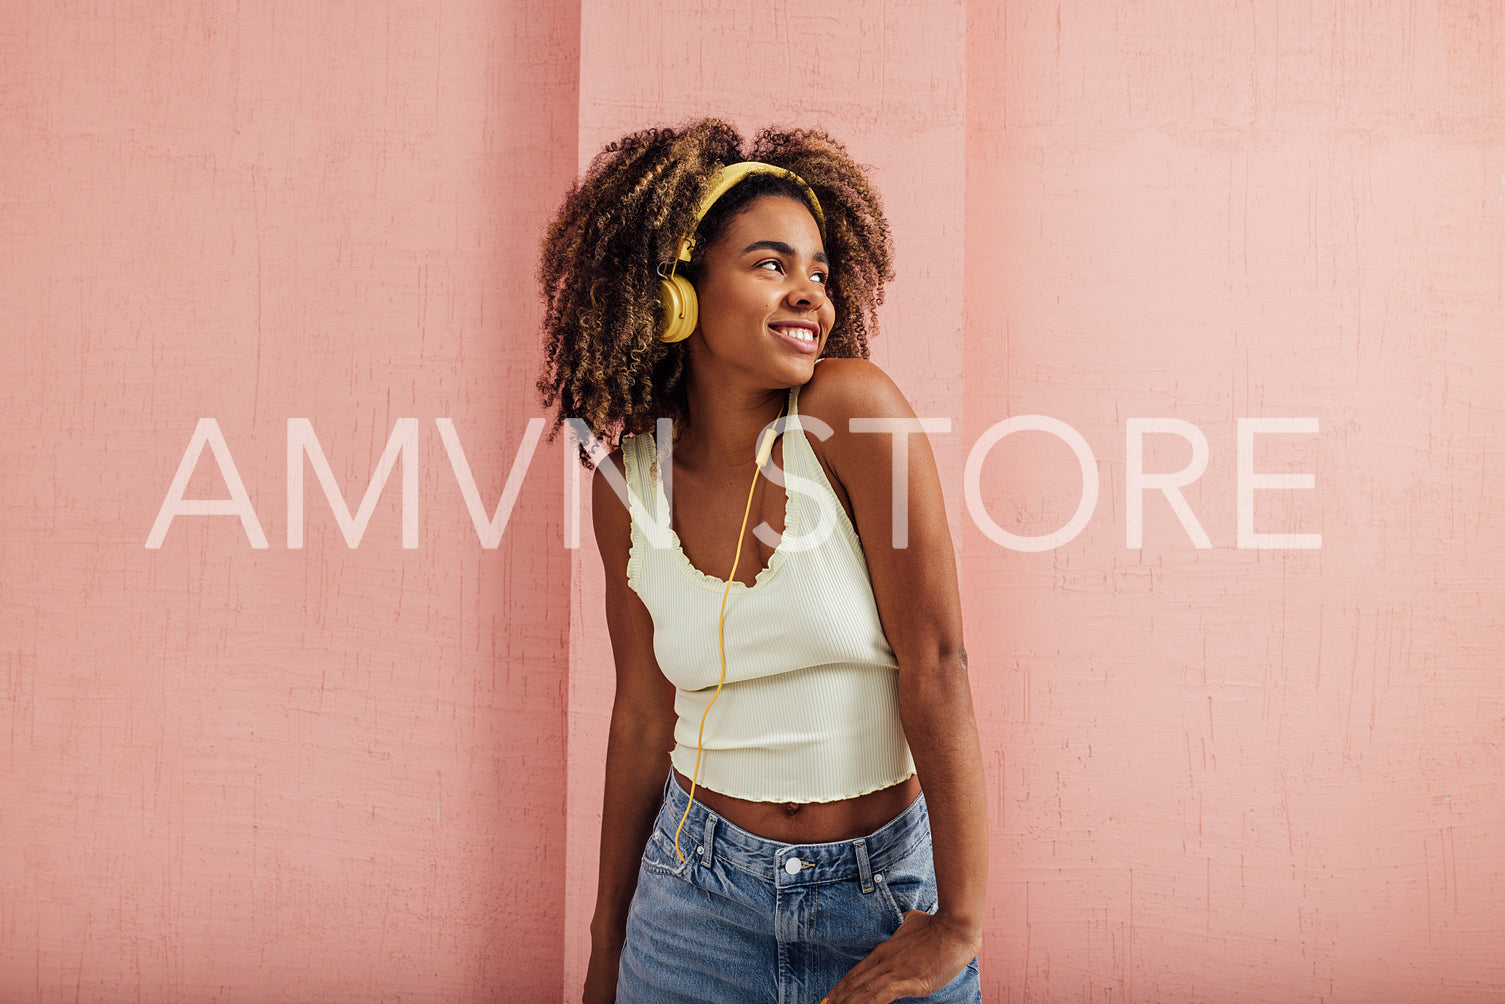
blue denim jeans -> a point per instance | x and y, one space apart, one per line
746 920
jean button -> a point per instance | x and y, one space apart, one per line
793 866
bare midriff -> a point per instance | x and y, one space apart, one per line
810 822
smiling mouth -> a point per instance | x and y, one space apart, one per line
797 332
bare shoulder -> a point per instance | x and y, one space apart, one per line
843 389
841 394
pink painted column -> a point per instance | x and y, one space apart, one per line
331 773
1234 773
885 80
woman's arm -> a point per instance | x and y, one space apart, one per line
920 606
638 746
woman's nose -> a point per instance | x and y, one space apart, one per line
810 292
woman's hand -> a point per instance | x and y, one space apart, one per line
924 954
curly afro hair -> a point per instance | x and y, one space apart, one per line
603 361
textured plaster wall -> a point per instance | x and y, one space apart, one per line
325 773
1232 774
273 775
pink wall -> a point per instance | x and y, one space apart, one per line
374 773
1225 774
277 775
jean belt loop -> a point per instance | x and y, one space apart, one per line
864 867
708 843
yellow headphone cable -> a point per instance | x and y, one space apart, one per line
765 451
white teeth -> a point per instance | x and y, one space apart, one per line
803 334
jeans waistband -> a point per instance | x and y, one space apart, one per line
711 838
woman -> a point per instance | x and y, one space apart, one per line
764 831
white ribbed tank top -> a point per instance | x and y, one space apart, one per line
809 711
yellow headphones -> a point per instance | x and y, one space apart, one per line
678 311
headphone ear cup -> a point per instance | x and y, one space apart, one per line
678 310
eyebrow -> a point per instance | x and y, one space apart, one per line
784 249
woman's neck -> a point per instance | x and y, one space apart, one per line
724 424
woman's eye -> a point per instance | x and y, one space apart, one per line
774 265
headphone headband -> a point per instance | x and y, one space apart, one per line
727 178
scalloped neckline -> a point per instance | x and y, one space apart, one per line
791 513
